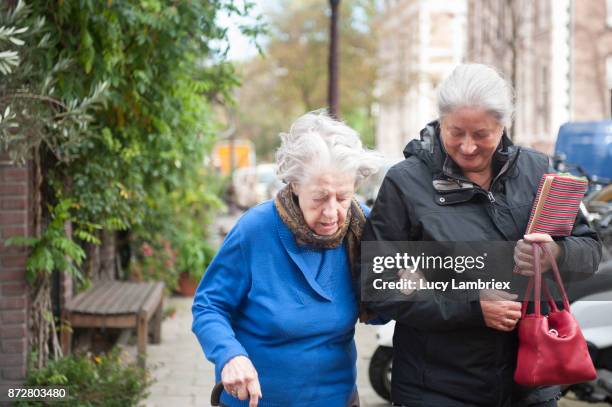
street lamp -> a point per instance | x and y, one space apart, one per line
332 85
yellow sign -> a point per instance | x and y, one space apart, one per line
243 151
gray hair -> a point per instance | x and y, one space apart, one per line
476 85
316 141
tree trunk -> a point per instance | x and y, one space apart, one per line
92 261
108 255
43 339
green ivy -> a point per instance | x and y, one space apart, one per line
141 77
54 249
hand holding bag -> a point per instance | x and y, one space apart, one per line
552 349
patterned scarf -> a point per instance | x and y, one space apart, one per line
291 214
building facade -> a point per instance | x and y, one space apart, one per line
555 53
420 41
592 59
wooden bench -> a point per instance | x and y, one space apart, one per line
117 304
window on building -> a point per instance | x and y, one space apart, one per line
545 82
609 72
540 9
485 29
501 21
609 81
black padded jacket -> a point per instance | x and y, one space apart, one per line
443 352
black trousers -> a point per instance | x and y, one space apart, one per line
426 398
550 403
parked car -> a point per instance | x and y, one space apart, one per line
586 148
268 183
253 185
368 191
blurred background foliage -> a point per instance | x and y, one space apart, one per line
290 78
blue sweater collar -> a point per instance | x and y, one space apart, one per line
291 247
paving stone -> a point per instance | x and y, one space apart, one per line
168 401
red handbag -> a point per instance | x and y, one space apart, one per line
552 349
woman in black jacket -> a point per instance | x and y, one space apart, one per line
465 181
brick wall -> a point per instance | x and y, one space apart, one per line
15 220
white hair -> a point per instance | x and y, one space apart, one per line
476 85
317 142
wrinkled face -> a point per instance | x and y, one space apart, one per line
324 200
471 136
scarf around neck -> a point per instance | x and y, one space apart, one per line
289 210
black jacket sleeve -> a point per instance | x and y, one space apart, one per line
390 220
581 252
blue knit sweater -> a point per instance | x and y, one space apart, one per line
290 309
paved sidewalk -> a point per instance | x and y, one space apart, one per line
183 377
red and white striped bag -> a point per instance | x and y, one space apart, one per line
556 204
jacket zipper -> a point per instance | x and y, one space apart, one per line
503 170
491 197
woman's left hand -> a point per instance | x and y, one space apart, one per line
523 253
240 379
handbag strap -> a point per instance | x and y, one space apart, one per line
557 274
536 283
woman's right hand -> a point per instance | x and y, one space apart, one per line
499 310
239 379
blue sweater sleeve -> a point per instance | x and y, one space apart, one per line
224 286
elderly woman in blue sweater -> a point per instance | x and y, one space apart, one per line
276 310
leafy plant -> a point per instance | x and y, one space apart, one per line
154 260
54 250
104 380
34 115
